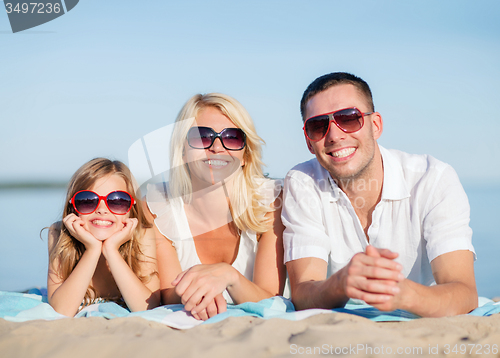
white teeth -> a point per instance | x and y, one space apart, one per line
216 163
343 153
101 222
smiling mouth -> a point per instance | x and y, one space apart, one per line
102 222
342 153
215 163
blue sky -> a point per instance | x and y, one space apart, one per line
95 80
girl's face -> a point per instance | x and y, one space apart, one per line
213 164
102 223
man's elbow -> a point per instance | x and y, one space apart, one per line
467 304
472 303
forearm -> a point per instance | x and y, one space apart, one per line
67 298
137 296
326 294
242 289
447 299
169 296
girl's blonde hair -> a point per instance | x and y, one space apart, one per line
67 250
246 206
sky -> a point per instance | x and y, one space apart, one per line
95 80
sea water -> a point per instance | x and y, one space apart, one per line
25 212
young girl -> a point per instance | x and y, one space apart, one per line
104 248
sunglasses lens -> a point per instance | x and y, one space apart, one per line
203 138
119 202
200 137
316 127
349 120
86 202
233 138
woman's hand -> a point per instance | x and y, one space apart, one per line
198 287
218 305
76 228
120 237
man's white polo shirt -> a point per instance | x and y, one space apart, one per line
423 213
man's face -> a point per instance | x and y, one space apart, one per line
344 155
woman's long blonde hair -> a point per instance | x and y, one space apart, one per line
67 250
246 207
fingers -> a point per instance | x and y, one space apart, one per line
199 300
373 277
120 237
376 252
358 285
200 284
200 288
369 297
183 287
196 298
69 221
76 228
375 267
177 280
202 315
214 307
221 303
130 224
372 251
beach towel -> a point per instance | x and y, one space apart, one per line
20 307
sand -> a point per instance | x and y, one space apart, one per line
336 334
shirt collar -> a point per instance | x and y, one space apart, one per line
336 191
394 187
394 182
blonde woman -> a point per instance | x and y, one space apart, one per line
219 217
104 248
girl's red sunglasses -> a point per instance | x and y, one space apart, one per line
86 202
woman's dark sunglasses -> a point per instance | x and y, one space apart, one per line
86 202
204 137
348 120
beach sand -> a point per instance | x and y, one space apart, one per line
335 334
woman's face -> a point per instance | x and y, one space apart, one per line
102 223
214 164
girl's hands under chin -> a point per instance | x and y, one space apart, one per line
120 237
76 228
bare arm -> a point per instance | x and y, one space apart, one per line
139 296
169 268
66 296
269 271
201 283
310 287
454 293
368 278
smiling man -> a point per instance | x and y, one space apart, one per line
368 223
